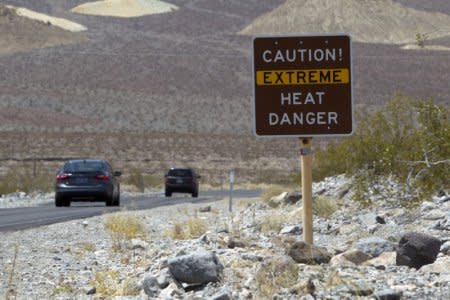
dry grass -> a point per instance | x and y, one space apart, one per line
275 274
11 292
109 284
64 286
273 223
25 179
124 227
192 228
324 207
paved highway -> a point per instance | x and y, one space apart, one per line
12 219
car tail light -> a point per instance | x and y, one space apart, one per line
104 177
62 177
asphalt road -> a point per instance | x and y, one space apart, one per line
12 219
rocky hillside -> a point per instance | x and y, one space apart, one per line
202 251
189 70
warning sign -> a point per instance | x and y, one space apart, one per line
302 86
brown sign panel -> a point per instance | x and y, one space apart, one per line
302 86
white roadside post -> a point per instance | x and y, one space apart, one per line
230 203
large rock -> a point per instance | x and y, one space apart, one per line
350 257
285 199
374 246
416 250
440 266
196 268
306 253
384 260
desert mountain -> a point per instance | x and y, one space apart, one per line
23 29
368 21
124 8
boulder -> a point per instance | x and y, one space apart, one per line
440 266
351 257
285 198
374 246
384 260
305 253
150 286
196 268
224 294
388 294
292 198
417 249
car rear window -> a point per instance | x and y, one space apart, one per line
180 173
84 166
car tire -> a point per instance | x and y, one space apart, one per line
109 201
117 200
195 194
168 193
59 201
66 202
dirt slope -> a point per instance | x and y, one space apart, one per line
124 8
368 21
22 30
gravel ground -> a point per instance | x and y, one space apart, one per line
84 259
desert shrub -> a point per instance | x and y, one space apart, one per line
421 38
124 227
108 283
406 142
324 207
273 223
275 274
64 286
192 228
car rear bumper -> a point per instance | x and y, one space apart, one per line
181 188
84 194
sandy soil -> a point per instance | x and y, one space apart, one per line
22 30
59 22
374 21
124 8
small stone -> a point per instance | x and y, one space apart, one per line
223 294
380 220
91 291
292 229
388 294
205 209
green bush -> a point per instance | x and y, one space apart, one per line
407 141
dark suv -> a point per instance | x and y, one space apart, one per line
87 180
181 180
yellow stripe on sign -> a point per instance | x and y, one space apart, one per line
299 77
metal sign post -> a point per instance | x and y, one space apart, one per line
306 172
302 87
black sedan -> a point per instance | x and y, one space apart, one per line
87 180
181 180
